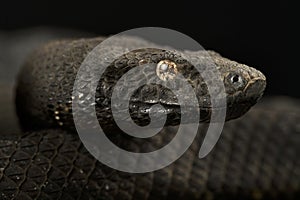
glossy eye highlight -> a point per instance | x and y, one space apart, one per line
166 70
236 80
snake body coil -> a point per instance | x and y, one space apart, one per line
253 159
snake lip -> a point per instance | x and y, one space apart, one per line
174 105
175 112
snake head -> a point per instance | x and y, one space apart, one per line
46 84
243 86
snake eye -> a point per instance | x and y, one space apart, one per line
236 80
166 70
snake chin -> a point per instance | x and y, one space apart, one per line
234 112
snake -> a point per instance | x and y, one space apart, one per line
256 156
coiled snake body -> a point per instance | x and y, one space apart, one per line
255 158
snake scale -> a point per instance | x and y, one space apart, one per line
255 158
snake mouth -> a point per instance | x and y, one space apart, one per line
141 111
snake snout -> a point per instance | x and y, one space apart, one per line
247 97
255 89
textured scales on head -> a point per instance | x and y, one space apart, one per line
244 85
44 90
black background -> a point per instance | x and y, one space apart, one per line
258 34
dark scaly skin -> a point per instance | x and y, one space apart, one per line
45 87
256 160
